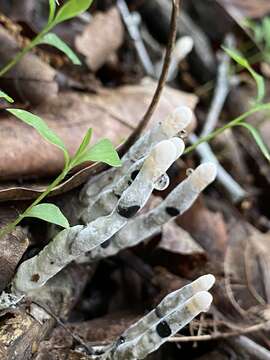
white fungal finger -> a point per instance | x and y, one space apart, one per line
169 304
71 243
156 335
177 121
162 157
183 196
107 200
35 272
176 203
179 145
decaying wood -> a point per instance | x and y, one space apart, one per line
12 248
21 332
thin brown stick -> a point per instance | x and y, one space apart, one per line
163 76
75 337
254 328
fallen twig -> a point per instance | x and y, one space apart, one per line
217 336
235 191
252 348
163 76
221 91
134 33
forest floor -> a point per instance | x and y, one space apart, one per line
140 60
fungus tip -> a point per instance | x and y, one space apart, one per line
164 154
179 145
180 118
204 283
202 300
203 175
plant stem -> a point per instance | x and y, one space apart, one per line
24 51
231 124
9 227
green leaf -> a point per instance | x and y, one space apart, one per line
49 213
6 97
102 151
71 9
237 57
257 137
258 34
257 29
266 31
83 147
54 40
41 127
52 10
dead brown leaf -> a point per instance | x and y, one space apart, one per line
31 80
97 45
207 228
247 270
246 9
178 252
177 240
25 154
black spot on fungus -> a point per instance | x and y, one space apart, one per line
172 211
35 277
128 212
106 243
52 262
134 174
117 195
129 182
163 329
120 341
